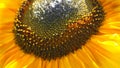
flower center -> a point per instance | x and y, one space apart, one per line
51 29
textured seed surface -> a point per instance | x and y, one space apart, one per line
52 29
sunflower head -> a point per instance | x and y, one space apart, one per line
59 34
52 29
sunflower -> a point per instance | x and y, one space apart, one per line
89 38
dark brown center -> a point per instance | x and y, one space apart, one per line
52 29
